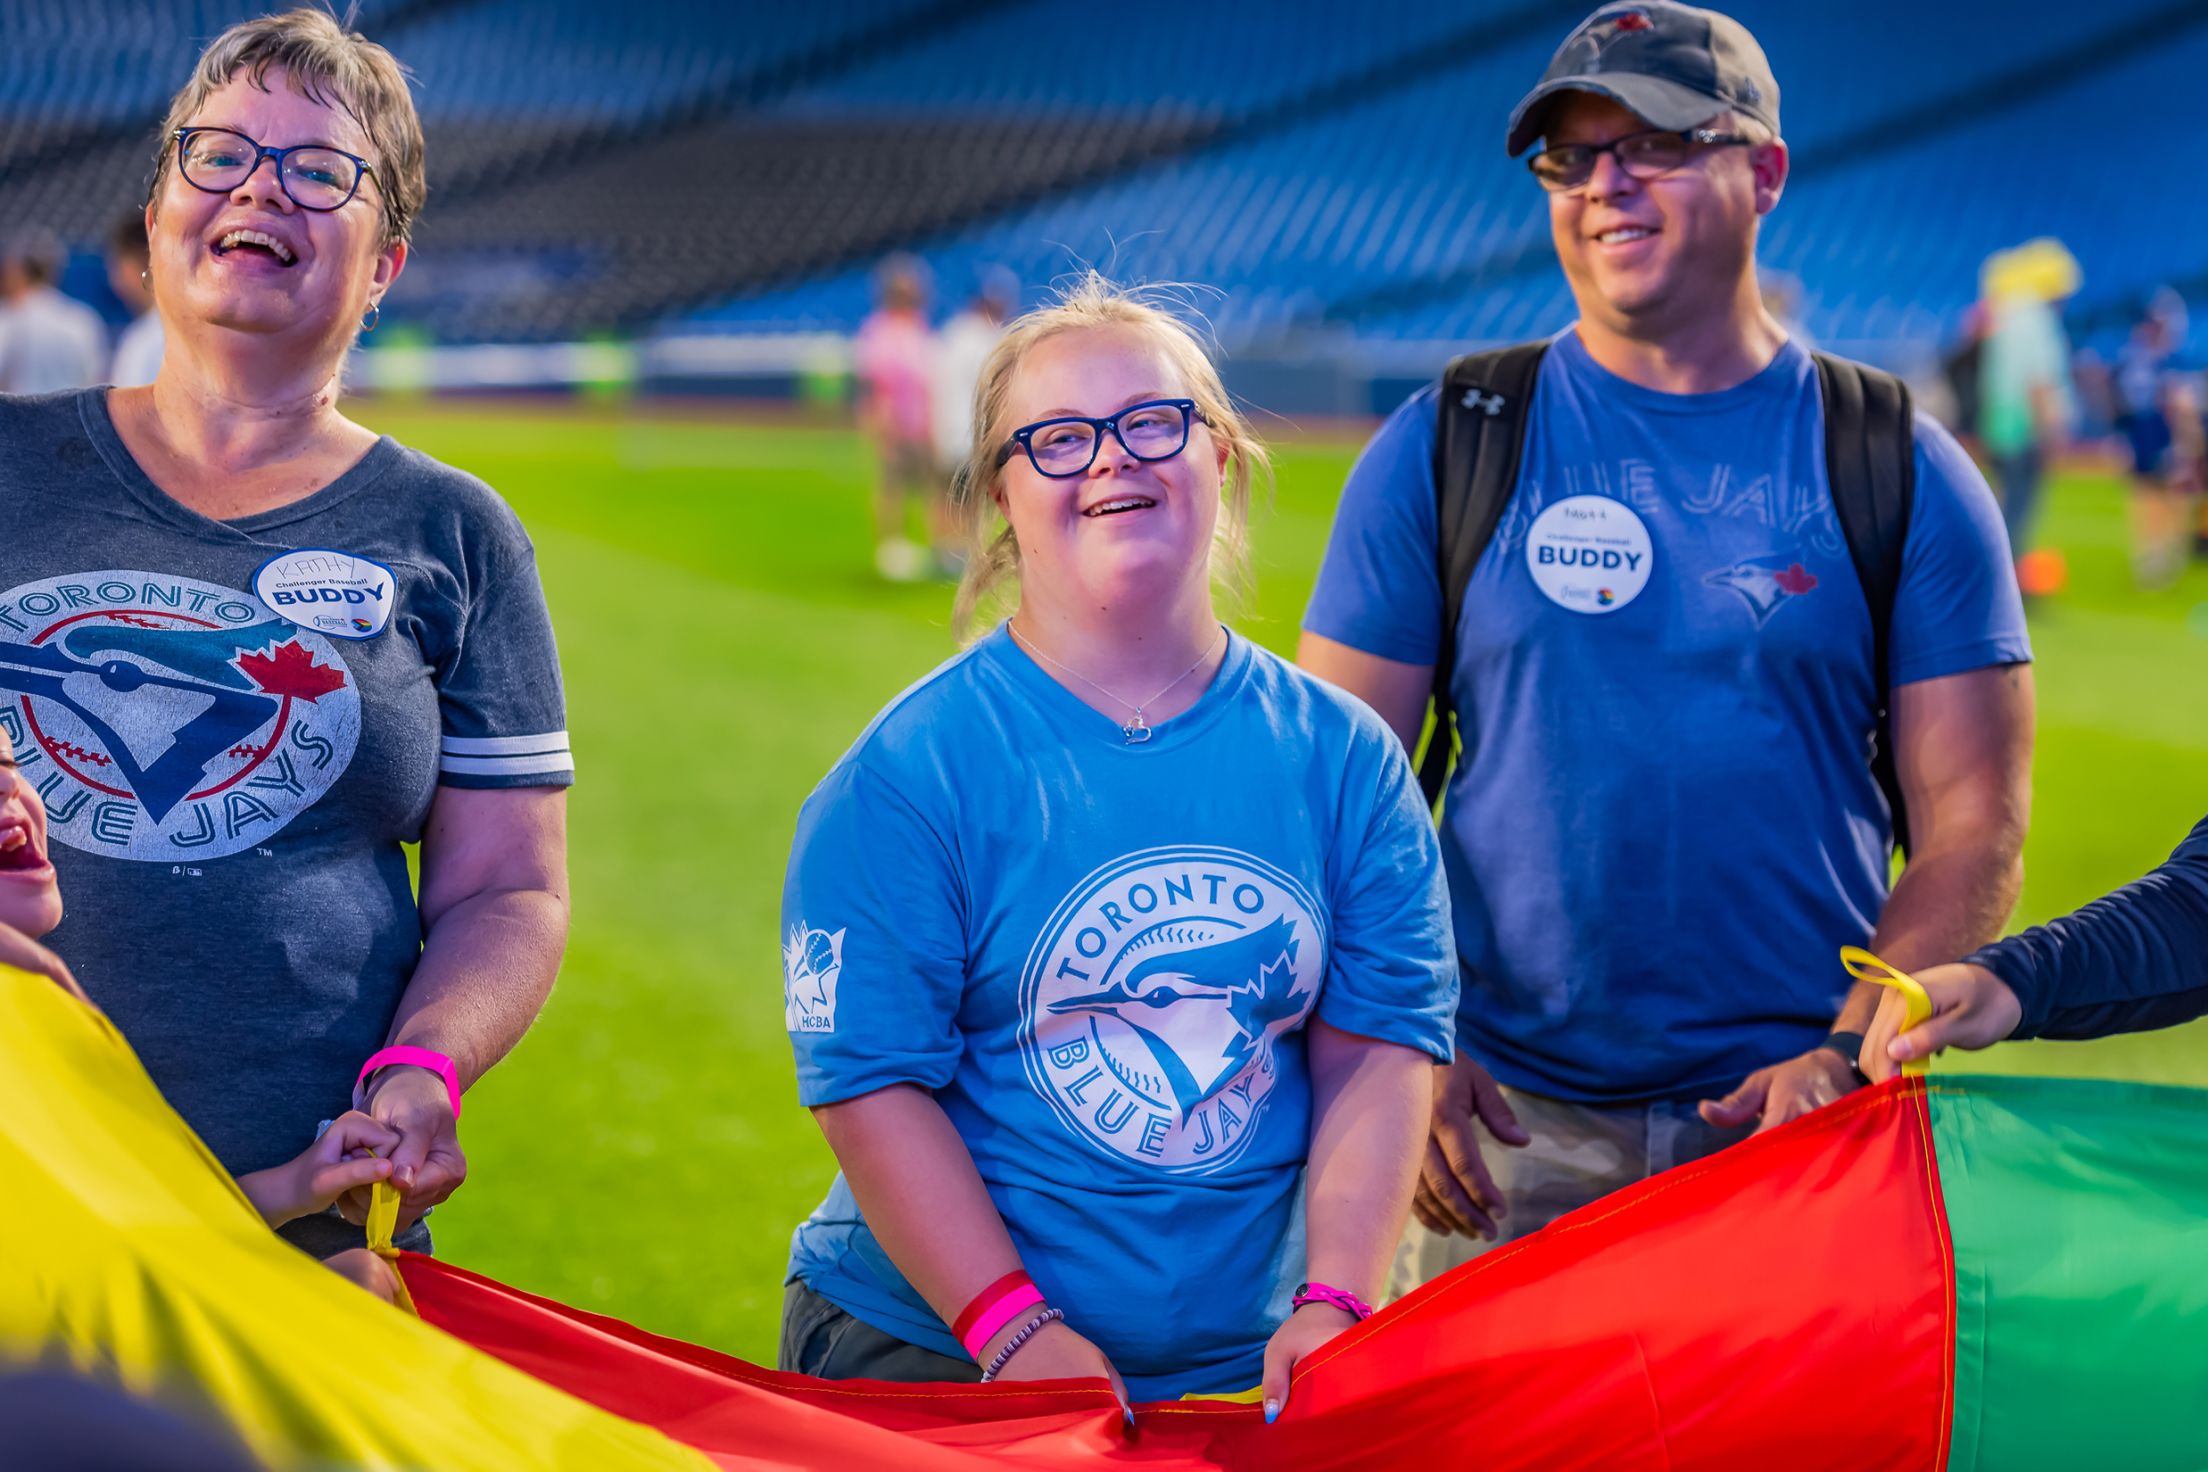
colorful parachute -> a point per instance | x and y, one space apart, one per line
1982 1273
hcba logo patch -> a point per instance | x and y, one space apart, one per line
812 964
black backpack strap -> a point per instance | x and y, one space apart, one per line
1871 467
1478 442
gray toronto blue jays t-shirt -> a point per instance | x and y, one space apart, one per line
234 727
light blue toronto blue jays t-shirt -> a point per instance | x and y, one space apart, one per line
1101 958
1664 821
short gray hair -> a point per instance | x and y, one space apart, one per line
334 67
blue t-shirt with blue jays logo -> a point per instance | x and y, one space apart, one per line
1101 958
1664 821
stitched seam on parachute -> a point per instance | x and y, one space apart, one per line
1921 1115
1684 1174
770 1380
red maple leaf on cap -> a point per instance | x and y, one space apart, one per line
289 669
1633 20
1796 579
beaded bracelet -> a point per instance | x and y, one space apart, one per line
1025 1332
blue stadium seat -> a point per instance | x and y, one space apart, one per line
1382 220
1322 176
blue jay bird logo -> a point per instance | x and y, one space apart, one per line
1157 999
165 719
1254 975
1765 584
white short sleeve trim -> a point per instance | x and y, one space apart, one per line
505 745
506 756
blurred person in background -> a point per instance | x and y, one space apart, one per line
253 650
1116 950
964 345
129 273
2159 413
1666 671
2026 405
1960 366
49 343
894 357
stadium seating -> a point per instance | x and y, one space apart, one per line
509 89
1912 163
713 169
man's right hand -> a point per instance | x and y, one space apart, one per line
1456 1194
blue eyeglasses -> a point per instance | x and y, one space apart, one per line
1156 429
314 176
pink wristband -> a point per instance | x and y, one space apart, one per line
436 1063
998 1314
1341 1298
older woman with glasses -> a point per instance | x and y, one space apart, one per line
1116 950
249 649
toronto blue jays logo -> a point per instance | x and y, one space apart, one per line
166 719
1604 27
1765 584
1154 1001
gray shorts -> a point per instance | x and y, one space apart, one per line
1579 1154
821 1340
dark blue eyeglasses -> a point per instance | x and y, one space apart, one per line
1156 429
314 175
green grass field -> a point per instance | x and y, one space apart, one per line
642 1154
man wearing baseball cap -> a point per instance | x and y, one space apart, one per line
1717 620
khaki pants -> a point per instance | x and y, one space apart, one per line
1579 1154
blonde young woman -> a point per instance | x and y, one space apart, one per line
248 649
1116 948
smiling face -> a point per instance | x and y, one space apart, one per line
30 900
1648 256
249 260
1128 532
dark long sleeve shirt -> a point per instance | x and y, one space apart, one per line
2130 961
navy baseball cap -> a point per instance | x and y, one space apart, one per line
1673 65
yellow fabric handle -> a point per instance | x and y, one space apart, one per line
383 1218
1916 1001
383 1222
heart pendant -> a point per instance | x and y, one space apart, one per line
1136 731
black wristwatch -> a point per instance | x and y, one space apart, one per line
1849 1045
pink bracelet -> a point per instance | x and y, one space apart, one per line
1348 1303
436 1063
1016 1301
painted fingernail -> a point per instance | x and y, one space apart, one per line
1272 1411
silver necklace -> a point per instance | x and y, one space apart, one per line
1136 730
